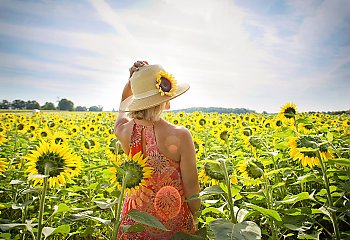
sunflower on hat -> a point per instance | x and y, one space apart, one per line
166 84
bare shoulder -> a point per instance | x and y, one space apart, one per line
181 132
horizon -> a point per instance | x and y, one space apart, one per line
235 54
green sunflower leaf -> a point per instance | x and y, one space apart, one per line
133 228
185 236
62 208
340 161
48 231
296 198
212 190
224 229
266 212
145 218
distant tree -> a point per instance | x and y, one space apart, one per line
32 105
81 109
65 105
18 104
48 106
96 108
4 104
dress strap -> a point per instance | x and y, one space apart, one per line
136 139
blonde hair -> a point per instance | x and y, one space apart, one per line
150 114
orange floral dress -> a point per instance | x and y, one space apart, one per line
163 195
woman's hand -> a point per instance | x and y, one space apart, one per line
137 65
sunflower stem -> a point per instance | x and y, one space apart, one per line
118 221
269 204
329 196
229 192
42 204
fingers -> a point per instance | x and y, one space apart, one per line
137 65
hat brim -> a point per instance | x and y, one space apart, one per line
131 104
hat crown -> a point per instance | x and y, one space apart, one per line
143 82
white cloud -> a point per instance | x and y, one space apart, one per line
232 57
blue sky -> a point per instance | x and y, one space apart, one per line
254 54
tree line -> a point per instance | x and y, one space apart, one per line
216 109
63 105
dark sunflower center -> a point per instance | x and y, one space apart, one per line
254 141
255 169
165 84
89 144
289 112
224 135
278 123
20 126
308 126
43 134
134 174
247 131
51 124
58 140
202 122
53 161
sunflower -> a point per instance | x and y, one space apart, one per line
90 145
267 124
198 146
166 84
253 141
181 114
247 131
277 122
212 174
346 122
59 138
305 147
289 110
2 138
305 128
44 133
201 121
223 135
252 171
137 172
3 165
2 129
61 163
175 120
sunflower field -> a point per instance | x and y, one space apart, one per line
262 176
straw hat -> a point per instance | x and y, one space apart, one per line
151 85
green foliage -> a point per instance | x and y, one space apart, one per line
286 200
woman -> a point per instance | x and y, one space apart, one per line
170 151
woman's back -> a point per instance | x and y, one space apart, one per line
169 137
